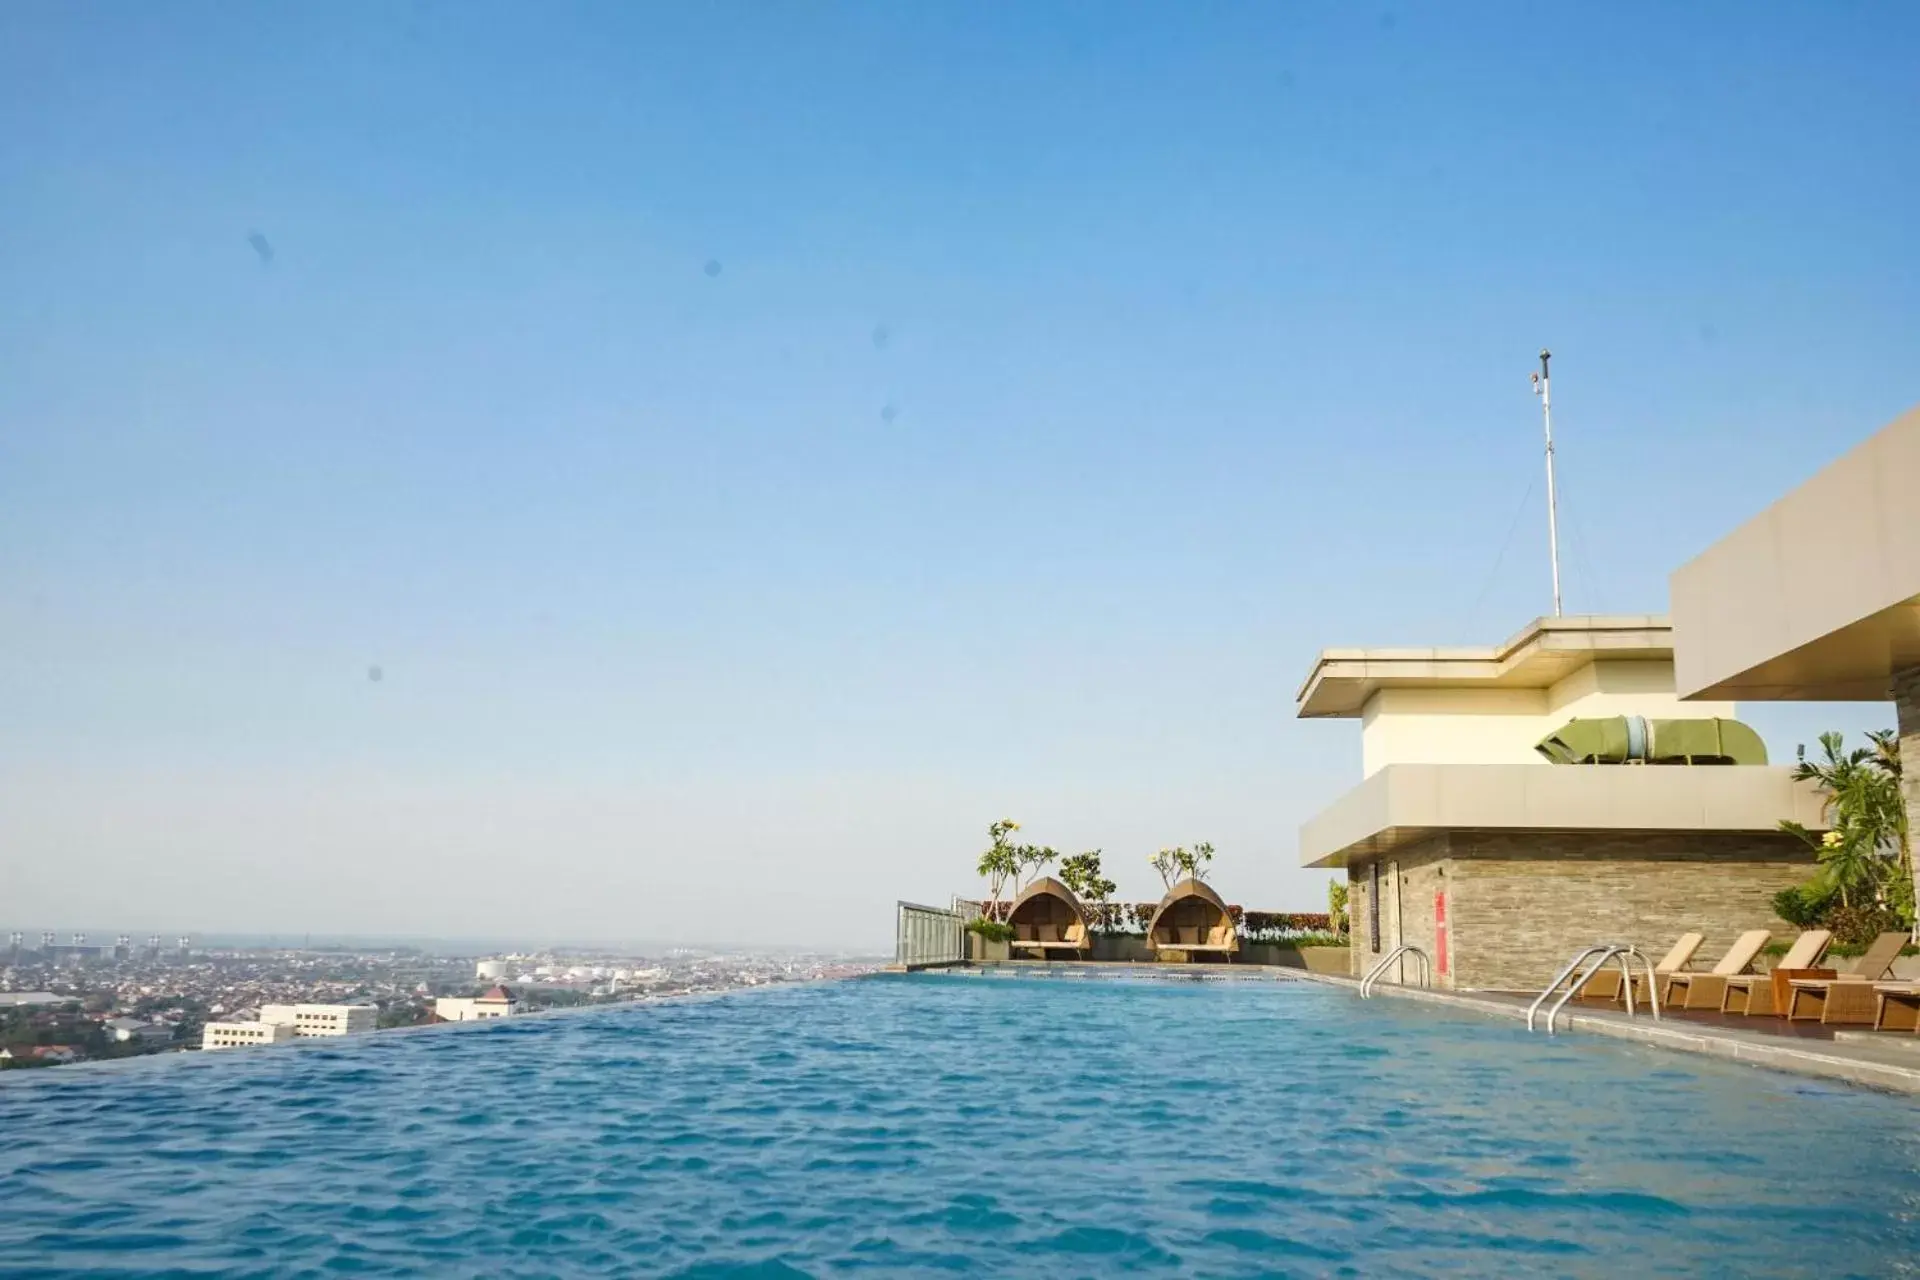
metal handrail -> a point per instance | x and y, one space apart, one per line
1368 983
1653 982
1573 989
1625 953
1559 978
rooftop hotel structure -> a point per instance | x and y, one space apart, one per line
1520 801
1817 597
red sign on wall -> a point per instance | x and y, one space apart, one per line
1440 930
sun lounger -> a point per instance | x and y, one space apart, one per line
1898 1006
1703 990
1752 993
1848 999
1606 985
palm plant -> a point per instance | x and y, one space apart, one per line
1867 842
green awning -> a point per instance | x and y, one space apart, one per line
1638 740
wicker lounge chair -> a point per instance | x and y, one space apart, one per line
1752 993
1898 1006
1702 990
1047 919
1193 919
1606 985
1850 998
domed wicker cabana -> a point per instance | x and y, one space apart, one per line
1192 918
1047 918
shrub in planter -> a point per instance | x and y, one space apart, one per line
990 930
1802 905
1318 940
1857 926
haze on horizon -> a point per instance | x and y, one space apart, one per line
679 472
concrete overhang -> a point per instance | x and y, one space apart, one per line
1404 803
1818 596
1540 656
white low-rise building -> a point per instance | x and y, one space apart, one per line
490 970
322 1019
497 1002
238 1035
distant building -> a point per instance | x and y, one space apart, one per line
44 1053
322 1019
26 999
496 1002
237 1035
125 1029
490 970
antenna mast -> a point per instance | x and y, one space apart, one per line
1543 387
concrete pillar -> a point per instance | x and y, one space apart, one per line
1906 700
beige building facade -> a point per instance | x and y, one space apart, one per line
497 1002
1463 840
243 1035
312 1020
1818 597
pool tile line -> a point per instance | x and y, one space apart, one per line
1884 1066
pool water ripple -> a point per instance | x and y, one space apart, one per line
939 1125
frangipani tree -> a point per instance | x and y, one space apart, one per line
1181 863
1032 860
1193 866
1000 864
1081 873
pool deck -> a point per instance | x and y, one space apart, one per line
1888 1061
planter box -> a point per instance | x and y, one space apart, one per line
1121 949
986 949
1334 960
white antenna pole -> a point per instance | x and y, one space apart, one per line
1543 387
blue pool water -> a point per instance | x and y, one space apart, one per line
944 1124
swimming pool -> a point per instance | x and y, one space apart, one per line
943 1124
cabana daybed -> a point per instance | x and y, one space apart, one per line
1047 918
1193 919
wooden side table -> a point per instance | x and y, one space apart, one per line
1782 986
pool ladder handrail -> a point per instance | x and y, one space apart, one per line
1625 953
1372 980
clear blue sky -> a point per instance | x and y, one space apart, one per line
758 445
